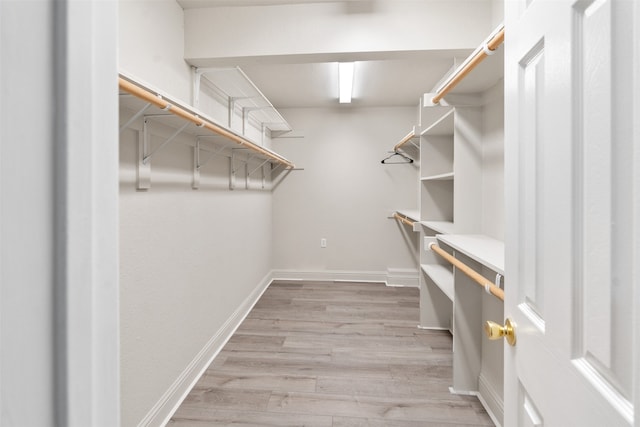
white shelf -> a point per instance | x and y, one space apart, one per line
442 276
442 227
485 250
234 84
441 177
411 214
442 126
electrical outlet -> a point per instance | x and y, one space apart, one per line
323 243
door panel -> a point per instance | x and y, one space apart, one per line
569 166
530 91
592 149
600 338
529 415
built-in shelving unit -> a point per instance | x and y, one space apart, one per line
459 191
451 209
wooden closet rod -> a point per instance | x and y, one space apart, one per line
486 49
475 276
402 219
404 140
159 102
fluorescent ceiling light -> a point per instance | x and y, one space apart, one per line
345 73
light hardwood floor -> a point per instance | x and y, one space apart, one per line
332 354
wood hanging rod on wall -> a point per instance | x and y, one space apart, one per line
485 49
158 101
405 139
474 275
403 219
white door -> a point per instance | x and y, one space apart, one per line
573 212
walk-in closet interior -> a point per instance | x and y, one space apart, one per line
320 212
239 166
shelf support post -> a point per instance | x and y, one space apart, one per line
196 87
232 171
263 134
246 175
196 165
143 177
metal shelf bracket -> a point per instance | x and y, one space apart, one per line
148 157
198 164
233 171
135 117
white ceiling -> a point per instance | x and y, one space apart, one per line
395 79
382 82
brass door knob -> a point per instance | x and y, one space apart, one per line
495 331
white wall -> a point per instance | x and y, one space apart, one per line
497 12
151 45
493 207
189 258
344 193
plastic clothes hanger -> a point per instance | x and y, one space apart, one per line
404 160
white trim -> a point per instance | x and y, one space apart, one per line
491 400
330 276
636 203
482 401
86 215
392 277
168 404
408 277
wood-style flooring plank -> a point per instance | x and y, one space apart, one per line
297 367
215 417
260 381
375 422
332 354
402 408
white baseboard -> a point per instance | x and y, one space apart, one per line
403 277
491 400
162 411
331 276
391 277
482 401
489 397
